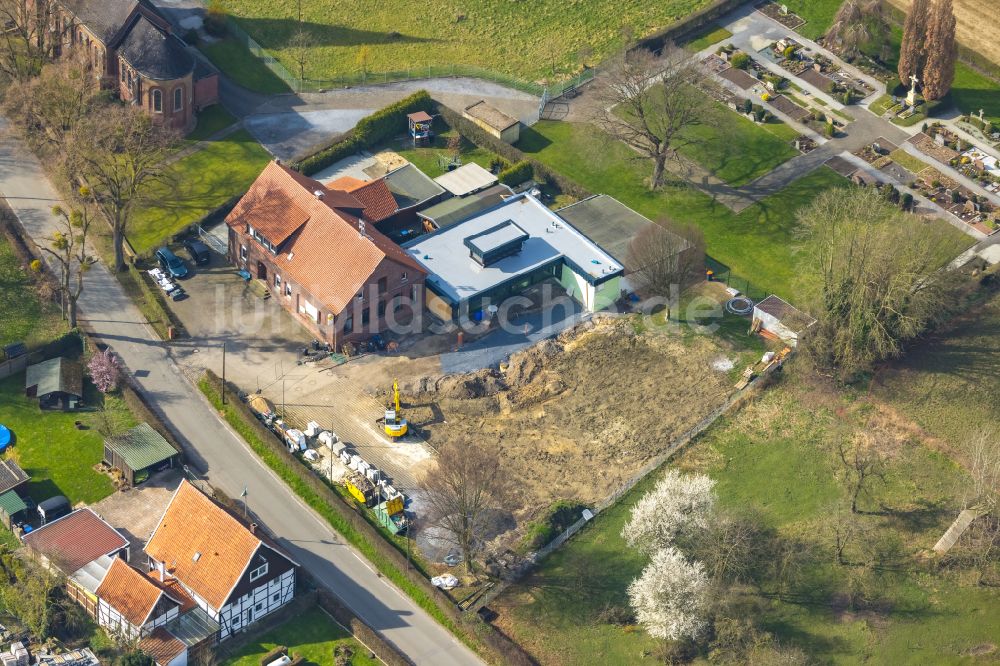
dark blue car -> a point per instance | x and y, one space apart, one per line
171 263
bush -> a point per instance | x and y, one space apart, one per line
789 51
818 115
747 106
499 164
848 98
906 201
829 130
216 19
517 174
740 61
191 37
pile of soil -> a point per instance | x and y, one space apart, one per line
575 417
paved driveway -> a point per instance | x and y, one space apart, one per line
293 134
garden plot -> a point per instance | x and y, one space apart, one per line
574 418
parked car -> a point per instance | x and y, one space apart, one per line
200 254
171 263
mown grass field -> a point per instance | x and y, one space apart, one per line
312 634
777 458
243 67
195 185
24 317
539 40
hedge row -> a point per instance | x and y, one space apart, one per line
517 173
369 131
346 518
478 136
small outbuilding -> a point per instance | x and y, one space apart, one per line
494 121
13 510
778 318
12 477
466 179
138 452
57 383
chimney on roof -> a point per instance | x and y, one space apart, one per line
277 160
162 569
318 194
253 528
361 228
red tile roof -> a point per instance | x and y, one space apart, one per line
173 590
129 592
75 540
375 195
162 646
327 254
203 546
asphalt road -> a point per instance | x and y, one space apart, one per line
216 451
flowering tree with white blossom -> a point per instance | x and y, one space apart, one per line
678 505
671 596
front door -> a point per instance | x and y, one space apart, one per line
261 271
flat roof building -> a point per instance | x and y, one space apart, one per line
466 179
494 121
458 209
506 249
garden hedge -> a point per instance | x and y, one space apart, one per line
516 174
369 131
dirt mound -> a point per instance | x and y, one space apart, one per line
575 417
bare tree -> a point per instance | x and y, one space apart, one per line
665 257
301 46
49 106
876 277
68 247
982 540
863 464
464 493
28 37
649 102
119 153
857 24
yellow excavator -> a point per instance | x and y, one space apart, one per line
395 424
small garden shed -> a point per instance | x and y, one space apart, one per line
497 123
57 383
778 318
138 452
12 509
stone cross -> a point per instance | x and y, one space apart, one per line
981 115
913 77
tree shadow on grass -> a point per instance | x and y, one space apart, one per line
279 33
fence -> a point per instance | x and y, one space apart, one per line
410 74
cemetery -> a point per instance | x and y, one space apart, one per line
781 14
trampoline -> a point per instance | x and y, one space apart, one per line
741 305
4 437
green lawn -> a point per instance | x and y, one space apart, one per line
432 159
742 150
908 161
313 634
818 15
398 34
213 119
972 91
196 185
757 244
243 67
702 39
59 457
24 317
881 105
777 458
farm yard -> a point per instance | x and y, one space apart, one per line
547 40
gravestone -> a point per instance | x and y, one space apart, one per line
784 10
939 139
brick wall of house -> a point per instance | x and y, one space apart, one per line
246 253
206 91
131 83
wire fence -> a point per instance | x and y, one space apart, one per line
297 84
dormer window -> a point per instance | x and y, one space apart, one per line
259 572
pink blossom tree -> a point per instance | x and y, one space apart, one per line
105 371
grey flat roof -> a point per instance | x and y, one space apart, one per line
606 221
456 209
466 179
410 186
456 275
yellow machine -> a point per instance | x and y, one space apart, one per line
395 424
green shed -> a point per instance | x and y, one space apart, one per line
11 508
139 452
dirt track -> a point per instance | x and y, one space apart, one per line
573 418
